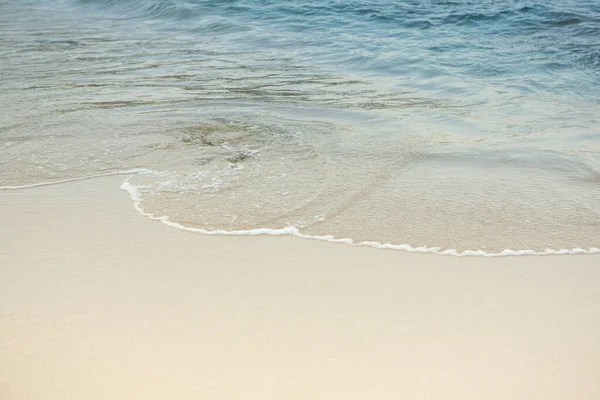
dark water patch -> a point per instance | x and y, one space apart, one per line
591 62
566 21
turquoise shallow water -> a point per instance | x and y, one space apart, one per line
467 125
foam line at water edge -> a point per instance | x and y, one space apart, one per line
142 171
136 196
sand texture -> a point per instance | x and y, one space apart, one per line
99 302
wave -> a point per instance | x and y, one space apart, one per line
136 196
137 199
561 31
471 75
144 10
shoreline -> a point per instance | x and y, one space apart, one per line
100 302
136 198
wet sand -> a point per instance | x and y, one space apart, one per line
99 302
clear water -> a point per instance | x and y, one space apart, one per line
467 125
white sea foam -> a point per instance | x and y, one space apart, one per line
136 196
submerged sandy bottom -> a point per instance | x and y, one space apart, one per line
98 302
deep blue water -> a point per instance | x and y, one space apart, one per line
528 46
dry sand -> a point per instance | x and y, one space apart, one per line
98 302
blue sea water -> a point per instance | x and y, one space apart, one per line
467 125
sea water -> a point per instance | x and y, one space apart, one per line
465 127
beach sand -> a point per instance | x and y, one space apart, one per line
99 302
